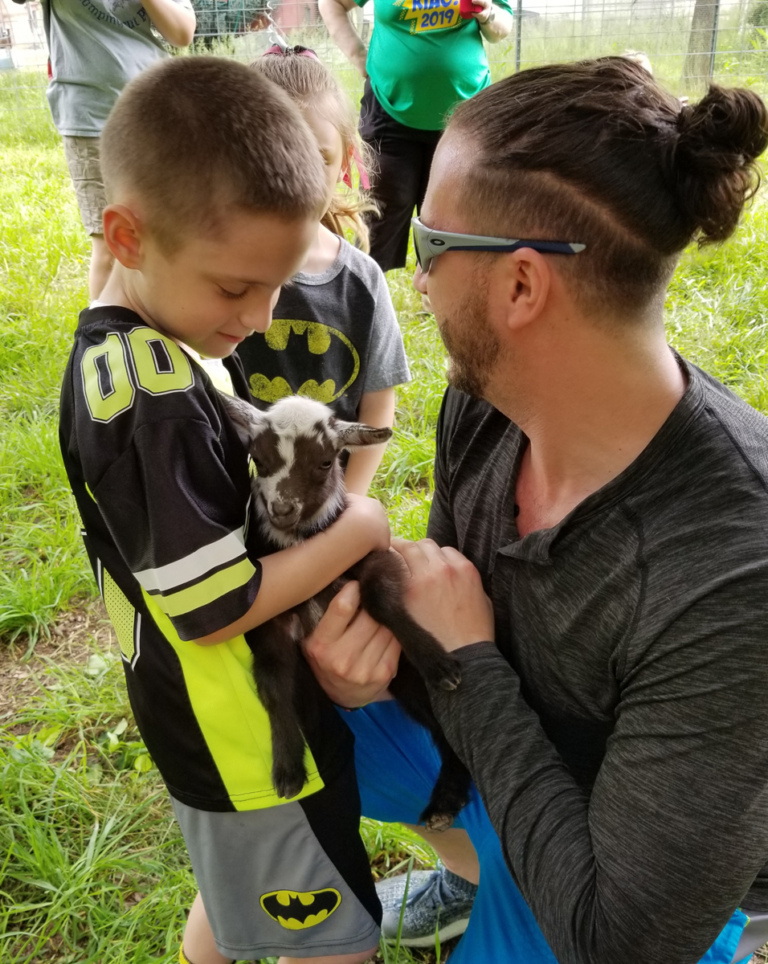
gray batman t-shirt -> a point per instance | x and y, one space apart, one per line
96 47
334 337
618 729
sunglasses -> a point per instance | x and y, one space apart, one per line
277 51
429 243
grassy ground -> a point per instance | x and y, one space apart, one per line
92 868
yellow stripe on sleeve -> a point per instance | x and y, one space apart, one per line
207 590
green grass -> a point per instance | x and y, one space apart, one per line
92 868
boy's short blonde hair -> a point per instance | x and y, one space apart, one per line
194 138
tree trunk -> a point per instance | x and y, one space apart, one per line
702 43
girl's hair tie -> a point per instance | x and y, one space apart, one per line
277 51
365 182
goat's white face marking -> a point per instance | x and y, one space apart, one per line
296 463
295 447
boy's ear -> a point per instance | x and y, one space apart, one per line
123 234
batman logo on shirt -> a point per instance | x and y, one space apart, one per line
321 364
296 910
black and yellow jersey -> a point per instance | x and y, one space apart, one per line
162 484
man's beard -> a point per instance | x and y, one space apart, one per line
472 345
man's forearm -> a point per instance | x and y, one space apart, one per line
609 875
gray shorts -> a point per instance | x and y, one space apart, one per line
293 879
82 154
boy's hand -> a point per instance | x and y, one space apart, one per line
368 516
352 656
445 594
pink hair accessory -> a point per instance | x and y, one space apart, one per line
364 179
277 51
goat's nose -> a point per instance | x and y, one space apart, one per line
284 514
282 508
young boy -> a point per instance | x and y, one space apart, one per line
215 186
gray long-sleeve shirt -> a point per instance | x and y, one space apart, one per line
618 730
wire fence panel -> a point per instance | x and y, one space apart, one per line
687 42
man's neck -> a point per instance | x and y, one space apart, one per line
588 431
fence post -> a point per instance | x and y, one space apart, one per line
518 34
702 43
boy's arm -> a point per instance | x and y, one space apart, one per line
175 22
377 409
293 575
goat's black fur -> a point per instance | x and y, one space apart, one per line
381 578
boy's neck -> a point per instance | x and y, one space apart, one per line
323 252
113 292
116 293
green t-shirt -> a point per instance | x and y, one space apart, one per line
424 59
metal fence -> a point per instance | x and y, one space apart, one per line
688 42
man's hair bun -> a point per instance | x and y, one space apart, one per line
719 140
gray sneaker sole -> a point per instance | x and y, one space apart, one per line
456 929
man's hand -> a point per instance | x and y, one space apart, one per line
445 594
352 656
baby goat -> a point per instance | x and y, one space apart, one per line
299 491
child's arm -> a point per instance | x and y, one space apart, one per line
173 21
377 409
294 575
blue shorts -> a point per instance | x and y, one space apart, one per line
397 764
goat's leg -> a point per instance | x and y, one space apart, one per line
451 790
275 655
382 585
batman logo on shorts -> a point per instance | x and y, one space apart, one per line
296 910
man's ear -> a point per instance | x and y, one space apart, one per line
123 234
527 282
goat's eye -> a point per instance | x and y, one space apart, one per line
326 465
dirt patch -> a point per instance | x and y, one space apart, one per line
71 641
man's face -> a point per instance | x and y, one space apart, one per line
216 290
457 283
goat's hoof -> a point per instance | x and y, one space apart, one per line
437 822
451 680
289 783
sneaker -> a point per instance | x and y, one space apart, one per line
439 902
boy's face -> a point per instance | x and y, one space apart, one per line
216 290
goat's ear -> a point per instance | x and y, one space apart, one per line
247 419
353 435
